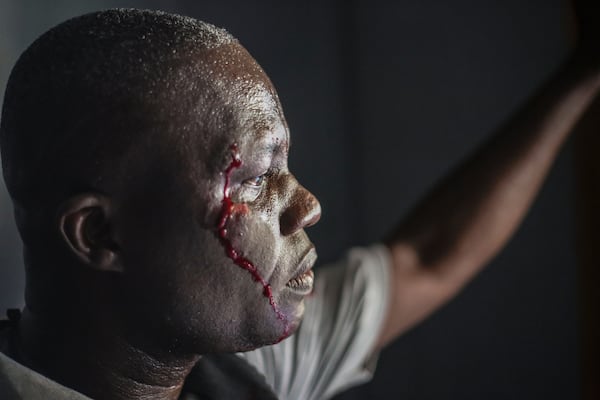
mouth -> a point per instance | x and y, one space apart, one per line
302 282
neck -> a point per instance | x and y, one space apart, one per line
95 358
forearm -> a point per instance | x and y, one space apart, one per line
471 214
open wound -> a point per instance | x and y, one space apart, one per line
227 208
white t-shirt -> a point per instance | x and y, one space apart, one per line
333 348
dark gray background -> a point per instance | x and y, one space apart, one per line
383 98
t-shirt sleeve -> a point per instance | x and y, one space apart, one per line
334 347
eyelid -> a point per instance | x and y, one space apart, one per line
256 181
251 188
249 191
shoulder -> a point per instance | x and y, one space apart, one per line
19 382
334 347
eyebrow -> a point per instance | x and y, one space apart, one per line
272 145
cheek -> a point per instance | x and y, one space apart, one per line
253 245
240 209
254 238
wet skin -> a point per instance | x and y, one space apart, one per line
147 250
184 280
303 280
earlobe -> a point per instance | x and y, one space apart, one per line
84 222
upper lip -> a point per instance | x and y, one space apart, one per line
306 262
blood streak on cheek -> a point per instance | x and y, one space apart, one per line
239 209
228 207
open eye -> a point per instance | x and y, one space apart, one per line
251 188
256 181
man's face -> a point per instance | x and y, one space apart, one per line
214 250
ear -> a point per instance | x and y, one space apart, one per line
86 227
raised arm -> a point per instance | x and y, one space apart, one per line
472 213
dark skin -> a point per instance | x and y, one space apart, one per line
172 275
155 296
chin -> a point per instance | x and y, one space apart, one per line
257 327
275 329
294 315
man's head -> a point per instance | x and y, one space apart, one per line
146 155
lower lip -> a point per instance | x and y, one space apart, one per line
302 284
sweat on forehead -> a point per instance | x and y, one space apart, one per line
83 90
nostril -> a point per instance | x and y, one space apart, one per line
315 214
299 215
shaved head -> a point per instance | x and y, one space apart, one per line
125 134
86 89
96 104
90 94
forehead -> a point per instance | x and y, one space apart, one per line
237 102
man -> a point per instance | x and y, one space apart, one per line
146 156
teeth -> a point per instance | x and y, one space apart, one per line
303 281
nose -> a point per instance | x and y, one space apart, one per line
303 210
